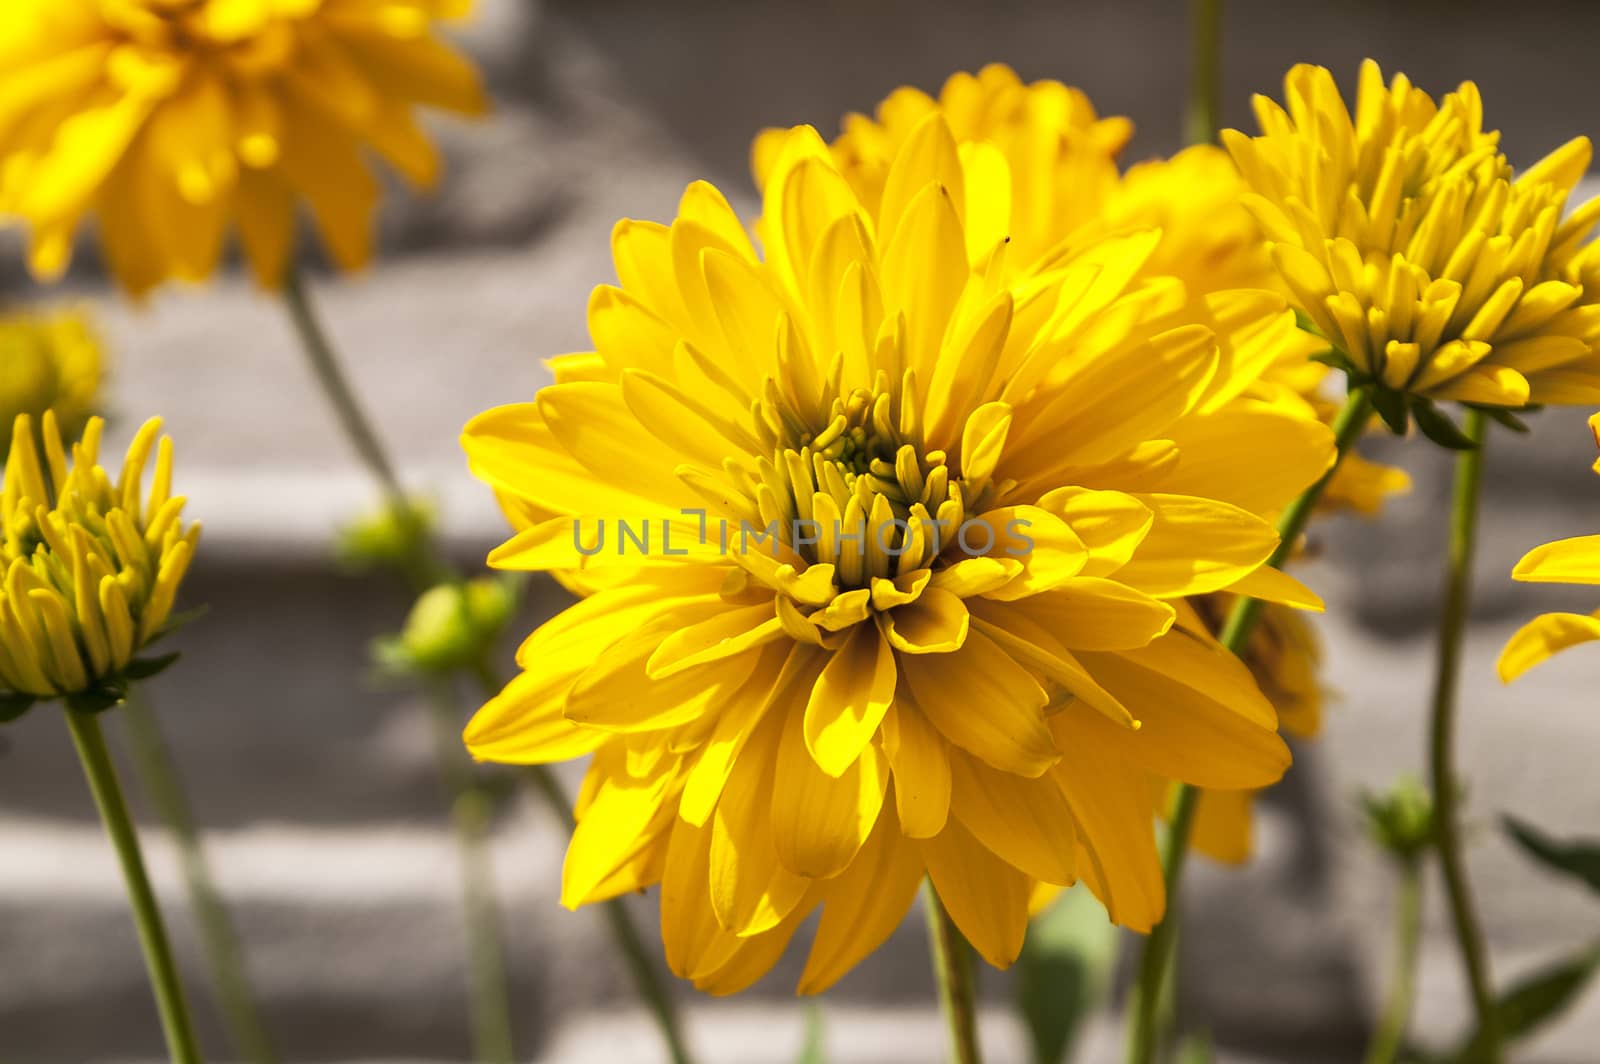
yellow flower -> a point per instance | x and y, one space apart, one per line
49 361
1566 561
92 566
173 121
953 654
1408 242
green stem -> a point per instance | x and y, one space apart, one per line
1203 118
625 934
423 568
472 809
182 1047
1441 745
1391 1031
1143 1008
224 955
952 968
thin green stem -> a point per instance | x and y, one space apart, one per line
472 809
649 985
182 1047
1441 743
1203 118
423 568
952 969
1144 1006
224 954
1391 1032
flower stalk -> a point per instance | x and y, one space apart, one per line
952 968
182 1047
1386 1042
1144 1007
1204 115
471 810
652 990
218 937
423 570
1442 726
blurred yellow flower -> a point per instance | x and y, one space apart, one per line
173 121
49 361
1566 561
92 566
1405 238
978 488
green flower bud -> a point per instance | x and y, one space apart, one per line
452 626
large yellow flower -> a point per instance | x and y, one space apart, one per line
1566 561
92 565
49 361
173 121
1406 239
953 655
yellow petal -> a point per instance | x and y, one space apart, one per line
1542 638
920 760
819 822
1112 804
1204 722
863 906
751 890
1027 822
1091 613
525 723
617 821
1566 561
849 700
1196 546
985 896
1009 733
934 624
1275 585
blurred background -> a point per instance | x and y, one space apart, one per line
316 783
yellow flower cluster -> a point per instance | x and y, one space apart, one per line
92 566
49 361
1407 240
174 121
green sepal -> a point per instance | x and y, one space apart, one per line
1501 416
1579 859
144 668
1437 426
14 706
1391 407
1303 322
1336 359
108 695
1064 972
176 621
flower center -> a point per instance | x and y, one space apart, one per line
860 493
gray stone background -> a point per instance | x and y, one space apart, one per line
316 785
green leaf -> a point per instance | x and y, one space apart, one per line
13 706
1579 858
1437 426
1537 999
144 668
1064 972
1391 407
811 1051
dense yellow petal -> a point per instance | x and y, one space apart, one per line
1565 561
1542 638
986 897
